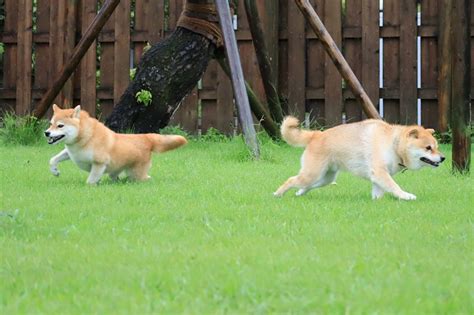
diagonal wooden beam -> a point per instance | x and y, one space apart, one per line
337 57
237 76
79 51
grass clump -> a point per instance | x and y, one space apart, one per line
21 130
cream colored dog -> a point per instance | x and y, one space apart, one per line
371 149
98 150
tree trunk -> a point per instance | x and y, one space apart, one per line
169 70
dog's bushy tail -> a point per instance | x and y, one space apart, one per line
163 143
293 135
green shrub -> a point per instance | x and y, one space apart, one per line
214 135
174 130
22 130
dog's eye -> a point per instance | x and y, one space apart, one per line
428 148
60 125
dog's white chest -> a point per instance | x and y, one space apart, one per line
82 158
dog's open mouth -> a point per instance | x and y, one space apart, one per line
428 161
53 140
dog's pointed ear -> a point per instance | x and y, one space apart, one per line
77 112
413 133
430 130
55 108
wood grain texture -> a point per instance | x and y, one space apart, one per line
408 98
88 63
24 57
296 62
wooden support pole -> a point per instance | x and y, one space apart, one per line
242 101
79 51
461 84
338 59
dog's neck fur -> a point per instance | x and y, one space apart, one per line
87 125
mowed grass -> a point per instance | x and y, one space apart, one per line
205 235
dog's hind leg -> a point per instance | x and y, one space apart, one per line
377 191
55 160
311 172
114 176
327 179
97 170
140 171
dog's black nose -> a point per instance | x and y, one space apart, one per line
47 133
442 158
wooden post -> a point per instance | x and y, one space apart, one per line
242 101
338 59
86 41
460 94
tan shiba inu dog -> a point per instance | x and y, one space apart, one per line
371 149
98 150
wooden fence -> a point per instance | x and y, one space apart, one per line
394 57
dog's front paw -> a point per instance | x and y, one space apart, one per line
407 196
277 194
54 170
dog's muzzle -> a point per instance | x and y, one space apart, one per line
432 163
53 140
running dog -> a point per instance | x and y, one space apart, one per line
372 149
96 149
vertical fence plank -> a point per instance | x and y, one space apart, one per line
250 68
107 60
315 69
444 66
352 30
269 11
283 52
42 52
391 58
24 70
122 49
187 114
332 77
10 56
408 89
296 61
69 44
429 63
208 97
88 63
56 44
370 49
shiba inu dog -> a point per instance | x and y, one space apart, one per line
98 150
371 149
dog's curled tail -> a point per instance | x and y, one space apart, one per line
163 143
292 134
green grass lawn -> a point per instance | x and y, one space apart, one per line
205 235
